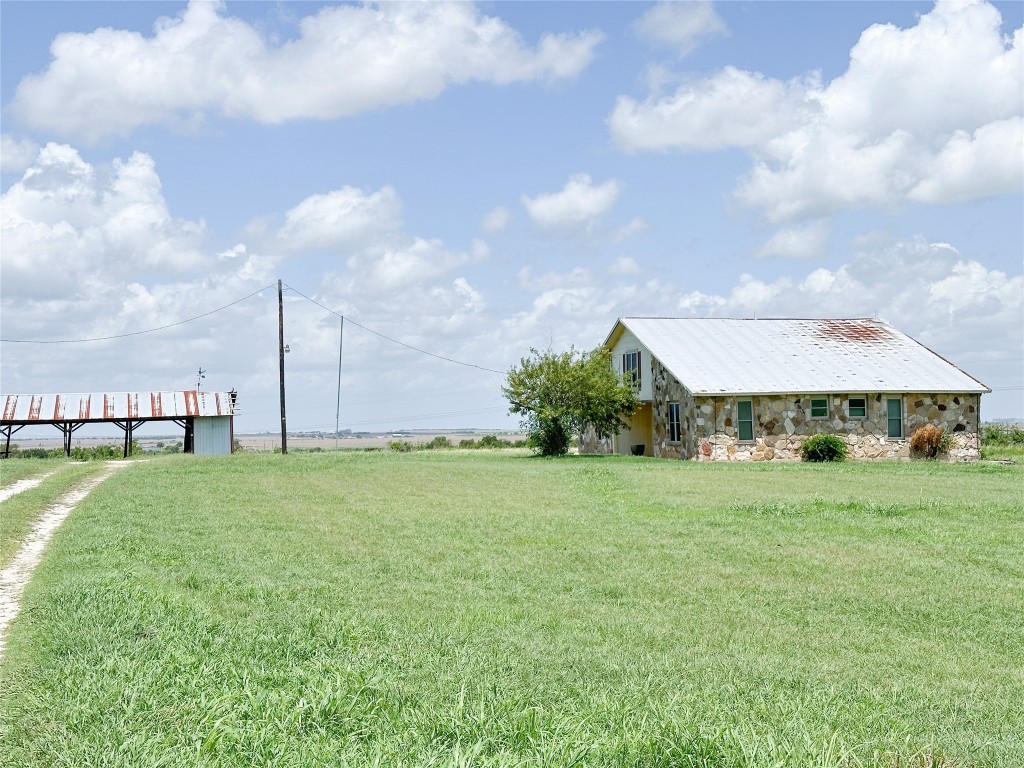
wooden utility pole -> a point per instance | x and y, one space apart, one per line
280 340
337 413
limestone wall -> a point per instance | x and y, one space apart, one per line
782 423
667 389
592 443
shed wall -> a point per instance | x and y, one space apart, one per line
212 436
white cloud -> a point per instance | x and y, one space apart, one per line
385 268
804 242
16 154
205 62
682 26
931 113
67 223
578 205
624 265
461 302
496 220
971 289
975 165
234 252
342 219
628 229
575 278
712 113
575 307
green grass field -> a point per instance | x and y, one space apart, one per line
450 608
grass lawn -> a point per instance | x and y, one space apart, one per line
19 512
13 470
1008 452
450 608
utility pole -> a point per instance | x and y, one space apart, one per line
280 340
337 413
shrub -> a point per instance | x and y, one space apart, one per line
104 452
468 443
929 441
402 446
998 435
439 442
492 441
36 453
824 448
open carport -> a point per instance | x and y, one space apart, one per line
206 417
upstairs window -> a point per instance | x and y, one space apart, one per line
674 430
819 408
894 412
631 368
745 420
857 408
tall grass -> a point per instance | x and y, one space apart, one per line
438 608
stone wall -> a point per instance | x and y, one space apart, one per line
592 443
667 389
781 424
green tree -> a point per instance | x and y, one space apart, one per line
560 394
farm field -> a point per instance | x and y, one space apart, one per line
478 608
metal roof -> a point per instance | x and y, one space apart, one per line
111 406
733 356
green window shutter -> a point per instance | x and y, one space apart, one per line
745 419
894 410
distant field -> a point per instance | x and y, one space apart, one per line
495 609
268 443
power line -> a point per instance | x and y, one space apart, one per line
394 341
136 333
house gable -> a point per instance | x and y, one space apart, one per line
622 343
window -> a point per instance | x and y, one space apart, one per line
674 431
857 408
631 368
819 408
745 419
894 411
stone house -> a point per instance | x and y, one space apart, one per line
753 390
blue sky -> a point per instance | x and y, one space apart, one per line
476 180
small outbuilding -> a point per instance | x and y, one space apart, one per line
206 417
716 389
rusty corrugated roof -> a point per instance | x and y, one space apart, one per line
777 356
110 406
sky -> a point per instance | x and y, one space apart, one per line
464 182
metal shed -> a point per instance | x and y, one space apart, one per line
206 417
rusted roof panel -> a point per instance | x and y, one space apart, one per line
733 356
111 406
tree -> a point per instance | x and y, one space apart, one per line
559 395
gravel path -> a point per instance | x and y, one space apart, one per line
15 576
24 485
